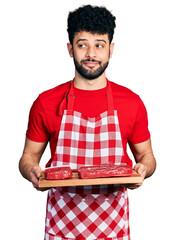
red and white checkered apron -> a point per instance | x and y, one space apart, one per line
88 212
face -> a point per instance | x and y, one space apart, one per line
91 53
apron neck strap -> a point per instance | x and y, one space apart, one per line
71 97
109 97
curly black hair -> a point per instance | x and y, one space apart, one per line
91 19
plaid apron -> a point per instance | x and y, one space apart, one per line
88 212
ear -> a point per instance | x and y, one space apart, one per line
111 49
70 49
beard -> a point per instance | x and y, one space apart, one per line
90 74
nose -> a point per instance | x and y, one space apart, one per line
90 53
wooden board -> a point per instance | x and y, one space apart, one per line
76 181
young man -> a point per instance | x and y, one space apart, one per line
88 121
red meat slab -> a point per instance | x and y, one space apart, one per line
105 170
58 173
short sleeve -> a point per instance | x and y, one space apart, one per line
37 124
140 132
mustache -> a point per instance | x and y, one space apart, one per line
90 60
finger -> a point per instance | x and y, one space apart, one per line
141 169
33 179
37 171
132 186
142 172
42 189
136 167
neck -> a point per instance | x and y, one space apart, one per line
85 84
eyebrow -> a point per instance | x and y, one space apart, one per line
82 39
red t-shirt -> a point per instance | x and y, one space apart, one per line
46 113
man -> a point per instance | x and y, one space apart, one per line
88 121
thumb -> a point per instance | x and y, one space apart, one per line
141 169
37 170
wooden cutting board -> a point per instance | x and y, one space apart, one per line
76 181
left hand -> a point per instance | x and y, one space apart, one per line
142 170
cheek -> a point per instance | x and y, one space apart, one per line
79 55
104 55
104 58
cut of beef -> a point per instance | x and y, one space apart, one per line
58 173
105 170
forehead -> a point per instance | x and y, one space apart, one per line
90 37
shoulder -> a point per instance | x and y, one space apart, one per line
124 94
126 101
57 91
54 95
132 114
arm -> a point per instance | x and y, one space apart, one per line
29 162
145 160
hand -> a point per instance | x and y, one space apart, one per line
142 170
34 175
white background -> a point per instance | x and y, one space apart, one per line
34 58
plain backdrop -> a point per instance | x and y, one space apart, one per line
34 58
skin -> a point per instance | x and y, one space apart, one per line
90 46
87 46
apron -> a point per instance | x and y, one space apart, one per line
88 212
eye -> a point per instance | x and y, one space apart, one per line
82 45
99 46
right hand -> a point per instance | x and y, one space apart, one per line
35 174
29 162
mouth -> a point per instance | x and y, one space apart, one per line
90 63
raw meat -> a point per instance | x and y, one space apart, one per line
58 173
105 170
